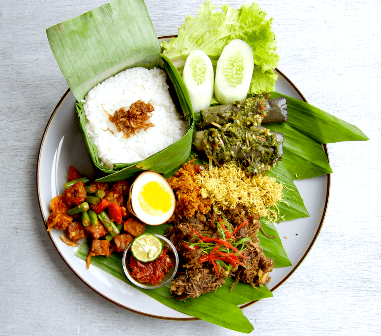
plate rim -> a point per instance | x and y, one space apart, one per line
294 268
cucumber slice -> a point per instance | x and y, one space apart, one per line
234 72
198 77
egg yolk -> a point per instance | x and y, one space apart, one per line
154 199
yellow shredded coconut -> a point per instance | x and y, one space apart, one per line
228 186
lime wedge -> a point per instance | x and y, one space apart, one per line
146 247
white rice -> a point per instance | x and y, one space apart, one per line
122 90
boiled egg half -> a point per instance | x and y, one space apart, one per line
151 198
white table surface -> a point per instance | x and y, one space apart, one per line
331 50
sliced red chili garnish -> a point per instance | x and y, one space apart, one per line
236 229
227 233
211 257
190 248
204 258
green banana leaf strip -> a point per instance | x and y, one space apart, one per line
241 293
302 156
119 166
171 157
272 247
291 206
122 174
179 85
102 42
319 125
164 161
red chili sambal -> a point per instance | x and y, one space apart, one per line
151 272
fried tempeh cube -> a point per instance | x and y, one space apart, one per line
96 231
76 231
134 227
122 241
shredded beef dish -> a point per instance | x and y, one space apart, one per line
200 273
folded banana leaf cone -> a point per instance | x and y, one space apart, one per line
103 42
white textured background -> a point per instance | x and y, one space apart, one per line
330 49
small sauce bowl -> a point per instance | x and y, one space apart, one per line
172 253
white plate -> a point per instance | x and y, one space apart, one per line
62 145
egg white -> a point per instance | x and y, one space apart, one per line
136 187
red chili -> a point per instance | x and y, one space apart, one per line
100 206
204 258
214 240
227 259
201 236
226 244
190 248
227 233
236 229
241 255
115 212
215 248
214 265
216 254
73 174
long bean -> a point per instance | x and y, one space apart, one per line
92 199
85 218
93 218
109 236
100 193
91 189
108 223
70 183
84 206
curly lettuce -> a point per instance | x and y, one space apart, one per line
211 30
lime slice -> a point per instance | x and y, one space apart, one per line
146 247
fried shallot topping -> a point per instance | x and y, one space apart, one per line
133 120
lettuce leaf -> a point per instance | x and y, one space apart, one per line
212 30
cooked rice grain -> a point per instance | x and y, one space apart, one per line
122 90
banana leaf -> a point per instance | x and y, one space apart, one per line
291 206
302 156
272 245
317 124
102 42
